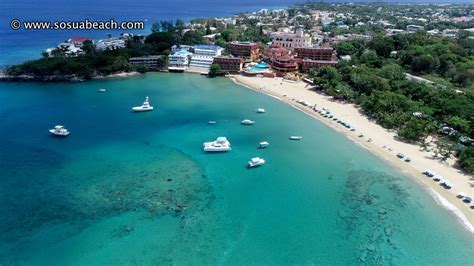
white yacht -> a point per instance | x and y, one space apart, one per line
263 144
254 162
211 122
59 131
102 90
260 110
247 122
144 107
221 144
296 137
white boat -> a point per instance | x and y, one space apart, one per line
221 144
296 137
260 110
102 90
263 144
254 162
144 107
247 122
212 122
59 131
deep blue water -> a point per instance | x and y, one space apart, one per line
136 189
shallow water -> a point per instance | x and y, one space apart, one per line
128 188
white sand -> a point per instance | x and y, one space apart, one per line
349 113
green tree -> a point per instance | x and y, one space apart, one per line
466 159
215 70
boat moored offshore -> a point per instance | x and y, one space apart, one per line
256 161
263 144
247 122
59 131
144 107
221 144
260 110
296 137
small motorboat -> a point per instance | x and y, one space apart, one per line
263 144
144 107
254 162
59 131
247 122
102 90
212 122
260 110
296 137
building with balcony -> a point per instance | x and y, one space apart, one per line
179 61
78 42
290 41
203 57
246 50
284 64
151 62
316 53
307 64
229 64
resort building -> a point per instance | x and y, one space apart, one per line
203 57
110 44
284 64
316 53
229 64
315 57
179 61
307 64
274 50
290 41
151 62
78 42
246 50
208 50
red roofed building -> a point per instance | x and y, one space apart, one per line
273 51
284 64
244 49
316 53
78 42
316 57
229 64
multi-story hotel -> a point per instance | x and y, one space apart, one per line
315 57
229 64
204 56
179 61
151 62
290 41
284 64
246 50
316 53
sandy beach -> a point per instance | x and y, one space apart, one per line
382 142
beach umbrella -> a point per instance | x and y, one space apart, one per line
467 199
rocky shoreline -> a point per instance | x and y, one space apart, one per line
58 78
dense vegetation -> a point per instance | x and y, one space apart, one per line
375 79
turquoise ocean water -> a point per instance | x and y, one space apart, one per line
128 188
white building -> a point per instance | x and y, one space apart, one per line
179 61
110 44
290 41
204 56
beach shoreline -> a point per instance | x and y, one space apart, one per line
379 138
